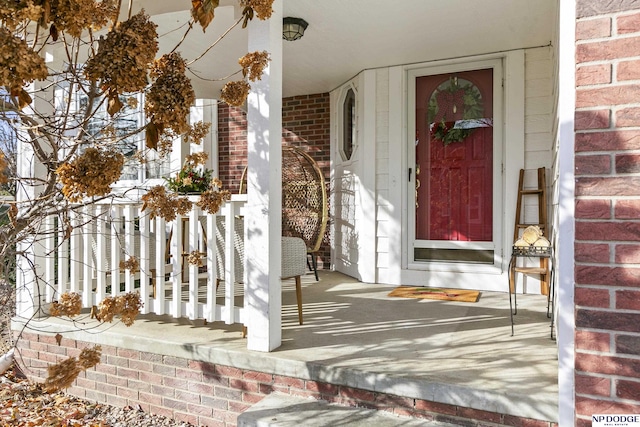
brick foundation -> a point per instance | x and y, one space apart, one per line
213 395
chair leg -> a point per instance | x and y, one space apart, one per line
309 266
512 279
314 264
544 279
299 298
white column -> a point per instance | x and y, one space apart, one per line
30 263
263 224
565 257
206 110
30 259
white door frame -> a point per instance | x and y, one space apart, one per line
508 126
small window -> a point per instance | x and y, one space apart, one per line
348 124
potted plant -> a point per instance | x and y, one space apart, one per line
193 177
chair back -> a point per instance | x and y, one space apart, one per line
304 198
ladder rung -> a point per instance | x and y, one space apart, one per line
536 191
528 225
531 270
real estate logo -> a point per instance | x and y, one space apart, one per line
612 420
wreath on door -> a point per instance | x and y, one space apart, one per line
451 106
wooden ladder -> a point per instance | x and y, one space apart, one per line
541 193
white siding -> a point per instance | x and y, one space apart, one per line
538 122
382 169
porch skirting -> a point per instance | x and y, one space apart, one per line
190 384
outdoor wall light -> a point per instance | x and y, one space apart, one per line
293 28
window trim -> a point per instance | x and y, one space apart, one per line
345 96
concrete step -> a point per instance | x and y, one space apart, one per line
287 411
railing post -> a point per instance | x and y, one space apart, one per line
50 258
87 234
177 250
63 258
114 262
161 247
75 252
100 252
145 260
194 225
129 246
212 270
229 267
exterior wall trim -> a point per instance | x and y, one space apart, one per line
566 206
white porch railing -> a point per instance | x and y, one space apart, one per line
87 259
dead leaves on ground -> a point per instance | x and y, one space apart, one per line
26 404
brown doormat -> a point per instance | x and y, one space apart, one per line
435 293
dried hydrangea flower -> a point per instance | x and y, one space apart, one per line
196 159
90 174
212 199
69 304
107 309
17 13
197 132
61 375
127 306
124 56
171 95
262 8
19 64
3 167
130 305
90 357
253 64
195 258
165 205
131 264
235 93
75 16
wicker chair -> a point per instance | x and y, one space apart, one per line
304 200
293 257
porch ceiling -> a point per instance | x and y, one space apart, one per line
346 37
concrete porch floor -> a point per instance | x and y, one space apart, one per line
355 335
451 352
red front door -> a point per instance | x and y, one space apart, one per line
454 156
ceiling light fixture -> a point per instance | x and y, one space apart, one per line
293 28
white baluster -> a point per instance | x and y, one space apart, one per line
101 252
145 265
50 259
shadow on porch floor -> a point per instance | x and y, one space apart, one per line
355 335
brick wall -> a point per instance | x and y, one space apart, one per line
213 395
305 122
232 146
607 247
